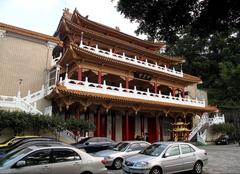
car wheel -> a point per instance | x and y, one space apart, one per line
197 169
117 164
155 170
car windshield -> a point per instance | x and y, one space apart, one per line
154 149
11 156
83 140
120 147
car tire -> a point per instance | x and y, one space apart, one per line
197 169
155 170
117 163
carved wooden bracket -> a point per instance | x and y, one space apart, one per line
107 106
85 103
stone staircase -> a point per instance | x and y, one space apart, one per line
201 129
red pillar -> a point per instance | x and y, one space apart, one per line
99 77
157 128
126 83
80 70
114 127
98 123
155 88
77 114
127 126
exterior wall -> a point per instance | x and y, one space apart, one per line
23 58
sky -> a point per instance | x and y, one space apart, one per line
43 15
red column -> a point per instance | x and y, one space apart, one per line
126 83
127 126
157 128
99 77
77 114
155 88
98 123
80 70
114 127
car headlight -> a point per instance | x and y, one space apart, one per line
141 164
108 157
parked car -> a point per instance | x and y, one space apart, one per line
165 158
224 139
42 142
5 150
94 144
14 140
56 159
115 156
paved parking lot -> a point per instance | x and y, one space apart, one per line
222 159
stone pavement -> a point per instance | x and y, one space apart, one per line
222 159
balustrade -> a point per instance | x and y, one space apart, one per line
131 60
131 93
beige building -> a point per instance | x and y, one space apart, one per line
25 58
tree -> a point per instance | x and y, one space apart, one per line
163 19
215 59
79 127
223 128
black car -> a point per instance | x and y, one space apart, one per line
224 139
94 144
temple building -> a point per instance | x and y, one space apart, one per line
120 83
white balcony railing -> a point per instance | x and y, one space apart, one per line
18 103
133 61
128 93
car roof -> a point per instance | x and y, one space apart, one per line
49 146
26 136
134 141
169 142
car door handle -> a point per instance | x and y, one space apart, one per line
45 167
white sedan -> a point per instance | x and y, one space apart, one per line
57 159
166 158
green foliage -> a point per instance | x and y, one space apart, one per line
163 19
20 121
79 126
223 128
216 61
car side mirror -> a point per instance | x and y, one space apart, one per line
87 143
21 164
166 155
129 150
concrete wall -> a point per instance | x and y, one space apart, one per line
23 58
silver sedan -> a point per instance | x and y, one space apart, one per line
49 159
165 158
115 156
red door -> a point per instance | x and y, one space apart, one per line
103 125
152 130
131 128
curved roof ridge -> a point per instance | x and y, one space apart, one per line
150 44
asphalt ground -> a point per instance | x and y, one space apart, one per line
222 159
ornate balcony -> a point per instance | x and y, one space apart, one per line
134 61
129 93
